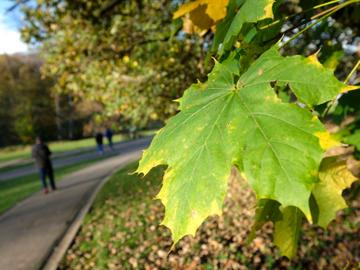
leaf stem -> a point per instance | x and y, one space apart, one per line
308 27
303 12
328 12
332 103
325 4
352 72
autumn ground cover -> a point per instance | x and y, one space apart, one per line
122 232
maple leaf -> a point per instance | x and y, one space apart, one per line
235 119
203 13
250 12
266 210
308 79
334 177
287 223
287 231
354 139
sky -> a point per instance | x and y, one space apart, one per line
10 41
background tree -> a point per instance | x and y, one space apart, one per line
27 106
126 55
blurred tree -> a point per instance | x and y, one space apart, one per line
127 55
133 59
27 108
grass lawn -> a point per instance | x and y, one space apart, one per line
122 232
19 152
15 190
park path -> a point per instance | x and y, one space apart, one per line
30 230
66 160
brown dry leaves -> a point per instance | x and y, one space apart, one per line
123 233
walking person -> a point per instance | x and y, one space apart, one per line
41 154
109 135
99 142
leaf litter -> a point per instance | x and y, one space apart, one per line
122 232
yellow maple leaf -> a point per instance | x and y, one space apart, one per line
334 177
203 13
216 9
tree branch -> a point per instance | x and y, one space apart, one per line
14 6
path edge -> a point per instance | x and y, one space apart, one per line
59 249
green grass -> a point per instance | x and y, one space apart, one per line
20 152
125 185
14 190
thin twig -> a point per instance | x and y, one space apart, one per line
352 72
311 25
297 14
332 103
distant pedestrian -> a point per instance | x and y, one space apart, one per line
109 135
99 142
41 154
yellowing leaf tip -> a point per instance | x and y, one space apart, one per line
348 88
326 140
315 118
268 11
314 60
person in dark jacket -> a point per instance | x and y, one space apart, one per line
109 135
41 154
99 142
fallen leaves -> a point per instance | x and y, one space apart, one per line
123 232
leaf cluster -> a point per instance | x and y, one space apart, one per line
238 118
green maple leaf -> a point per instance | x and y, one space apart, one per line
287 224
334 178
266 210
250 12
354 139
308 79
223 26
235 119
287 231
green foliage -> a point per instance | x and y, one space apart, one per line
237 119
354 139
250 12
287 231
232 120
266 210
126 56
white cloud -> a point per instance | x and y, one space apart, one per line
10 41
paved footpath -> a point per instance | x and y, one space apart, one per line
64 161
30 230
